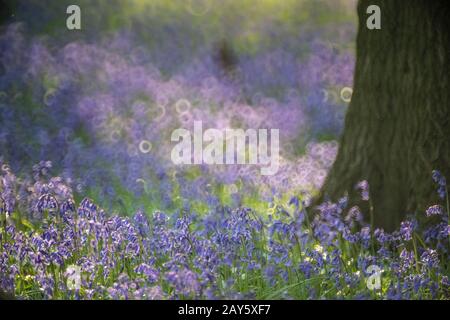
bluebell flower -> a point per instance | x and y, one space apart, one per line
430 258
151 273
47 202
363 187
407 260
435 210
440 180
406 230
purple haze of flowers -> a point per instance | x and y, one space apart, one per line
187 255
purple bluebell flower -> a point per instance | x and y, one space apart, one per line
430 258
365 237
407 260
184 281
151 273
363 187
440 180
406 230
435 210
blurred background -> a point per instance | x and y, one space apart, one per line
97 106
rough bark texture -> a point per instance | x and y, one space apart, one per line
397 129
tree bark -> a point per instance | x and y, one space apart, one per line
397 128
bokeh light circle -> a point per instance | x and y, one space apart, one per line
182 106
198 7
162 112
233 188
132 151
346 94
115 135
145 146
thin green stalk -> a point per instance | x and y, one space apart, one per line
416 253
372 244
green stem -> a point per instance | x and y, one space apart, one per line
371 228
416 253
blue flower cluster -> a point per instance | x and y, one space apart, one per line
228 253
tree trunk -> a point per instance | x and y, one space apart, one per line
397 128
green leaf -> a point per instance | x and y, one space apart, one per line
27 223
